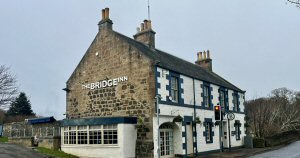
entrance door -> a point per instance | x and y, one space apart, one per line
225 135
166 143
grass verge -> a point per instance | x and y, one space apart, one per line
3 139
54 153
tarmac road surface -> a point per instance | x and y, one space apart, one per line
8 150
290 151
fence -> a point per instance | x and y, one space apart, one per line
20 129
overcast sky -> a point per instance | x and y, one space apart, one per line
254 44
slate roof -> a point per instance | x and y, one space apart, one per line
173 63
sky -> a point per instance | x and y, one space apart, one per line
254 44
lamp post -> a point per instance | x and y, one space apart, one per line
157 116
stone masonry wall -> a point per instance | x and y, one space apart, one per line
109 57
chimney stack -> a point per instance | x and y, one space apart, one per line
145 34
105 22
204 60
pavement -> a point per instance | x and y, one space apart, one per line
237 153
290 151
8 150
287 151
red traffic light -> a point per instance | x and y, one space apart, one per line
217 107
217 111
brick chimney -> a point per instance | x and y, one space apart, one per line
105 23
204 60
145 34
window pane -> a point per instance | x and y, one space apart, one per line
72 137
95 127
110 134
82 127
82 137
66 137
95 137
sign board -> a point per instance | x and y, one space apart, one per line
105 83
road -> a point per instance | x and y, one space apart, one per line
289 151
8 150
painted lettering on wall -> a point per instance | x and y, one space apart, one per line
105 83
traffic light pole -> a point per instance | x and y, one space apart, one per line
220 135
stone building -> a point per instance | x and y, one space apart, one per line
111 105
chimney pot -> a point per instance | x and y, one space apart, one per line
208 54
142 26
103 14
204 55
146 24
106 13
200 56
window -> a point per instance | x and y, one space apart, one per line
66 135
72 135
82 135
110 134
174 89
100 134
238 132
222 98
236 102
95 135
208 131
206 96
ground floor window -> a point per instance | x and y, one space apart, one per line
99 134
208 131
238 132
237 126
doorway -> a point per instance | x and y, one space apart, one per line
166 141
225 135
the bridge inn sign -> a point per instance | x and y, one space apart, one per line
105 83
116 117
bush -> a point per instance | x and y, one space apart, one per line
258 142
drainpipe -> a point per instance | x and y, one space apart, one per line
195 118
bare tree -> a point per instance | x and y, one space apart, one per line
8 88
296 2
277 113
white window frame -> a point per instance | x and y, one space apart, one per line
113 130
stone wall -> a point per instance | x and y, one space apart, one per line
46 142
109 57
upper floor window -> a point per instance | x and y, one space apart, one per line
222 98
206 96
236 102
174 89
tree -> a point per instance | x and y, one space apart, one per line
277 113
8 88
296 2
2 116
20 106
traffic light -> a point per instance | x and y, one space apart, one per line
217 110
